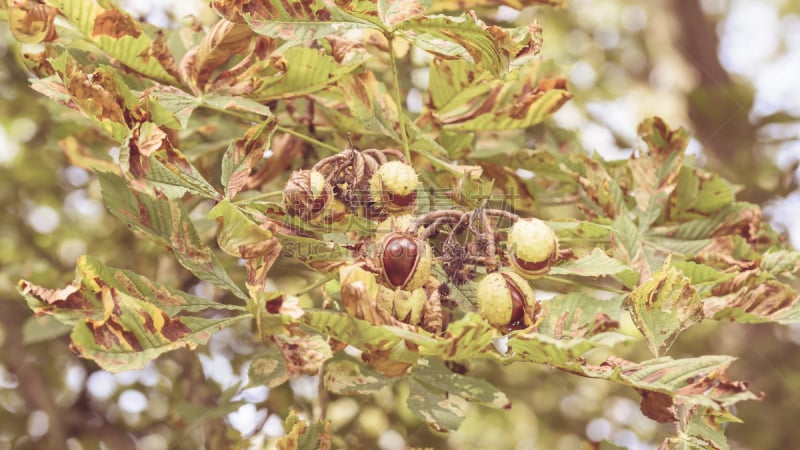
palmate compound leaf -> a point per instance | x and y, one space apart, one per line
122 37
664 306
122 320
167 223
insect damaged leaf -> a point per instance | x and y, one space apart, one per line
122 320
167 223
243 154
664 306
666 383
122 38
466 37
464 98
577 315
31 22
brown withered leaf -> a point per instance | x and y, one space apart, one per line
242 156
285 149
303 355
32 22
115 23
666 383
224 40
657 169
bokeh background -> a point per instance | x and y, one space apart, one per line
726 69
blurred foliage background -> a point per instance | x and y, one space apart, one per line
725 69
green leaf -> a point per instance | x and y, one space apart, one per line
303 22
562 353
168 166
122 320
106 99
664 306
598 264
122 37
579 229
436 407
750 297
780 262
306 70
360 334
698 194
243 154
577 315
166 223
347 376
310 250
267 369
238 235
704 431
302 435
467 38
43 329
523 98
665 383
435 374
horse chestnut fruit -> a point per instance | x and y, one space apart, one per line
306 194
393 187
404 260
504 299
533 247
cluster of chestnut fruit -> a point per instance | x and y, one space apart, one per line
402 257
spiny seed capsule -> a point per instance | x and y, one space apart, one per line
533 247
306 194
405 306
503 298
393 187
405 261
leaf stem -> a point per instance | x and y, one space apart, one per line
308 139
251 118
258 197
319 283
568 282
397 98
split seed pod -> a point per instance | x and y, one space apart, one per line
533 247
405 261
393 187
405 306
506 300
306 194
